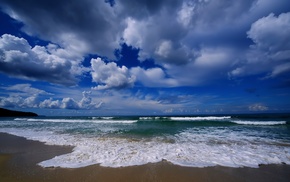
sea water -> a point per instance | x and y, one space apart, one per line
196 141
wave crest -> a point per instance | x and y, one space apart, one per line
198 118
265 123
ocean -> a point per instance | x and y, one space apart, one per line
194 141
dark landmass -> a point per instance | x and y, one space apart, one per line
11 113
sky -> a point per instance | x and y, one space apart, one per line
145 57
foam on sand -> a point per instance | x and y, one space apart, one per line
188 148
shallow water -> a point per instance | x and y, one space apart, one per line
197 141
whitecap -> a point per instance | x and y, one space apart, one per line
265 123
200 118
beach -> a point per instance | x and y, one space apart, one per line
19 158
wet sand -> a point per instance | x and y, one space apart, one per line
19 158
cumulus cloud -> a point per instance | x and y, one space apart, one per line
110 76
19 59
70 103
150 36
154 77
79 26
22 95
195 26
271 49
87 101
14 101
27 96
191 27
271 33
50 103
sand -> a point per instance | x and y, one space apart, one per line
19 158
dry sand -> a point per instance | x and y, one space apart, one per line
19 158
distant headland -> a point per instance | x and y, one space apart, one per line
11 113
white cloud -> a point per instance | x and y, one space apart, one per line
159 39
154 77
211 64
270 52
12 101
85 103
26 89
79 33
19 59
133 32
50 103
271 33
176 34
35 102
280 69
110 76
15 101
186 13
26 96
69 103
22 95
30 102
164 49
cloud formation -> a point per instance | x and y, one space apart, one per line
110 76
70 103
44 63
26 96
153 77
26 89
114 47
99 27
81 27
270 52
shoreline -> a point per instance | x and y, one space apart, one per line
19 158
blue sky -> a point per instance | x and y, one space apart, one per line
102 57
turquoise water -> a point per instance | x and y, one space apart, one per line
197 141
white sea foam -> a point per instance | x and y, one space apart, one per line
151 118
192 147
200 118
265 123
197 147
115 121
116 152
60 120
107 117
20 119
83 121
